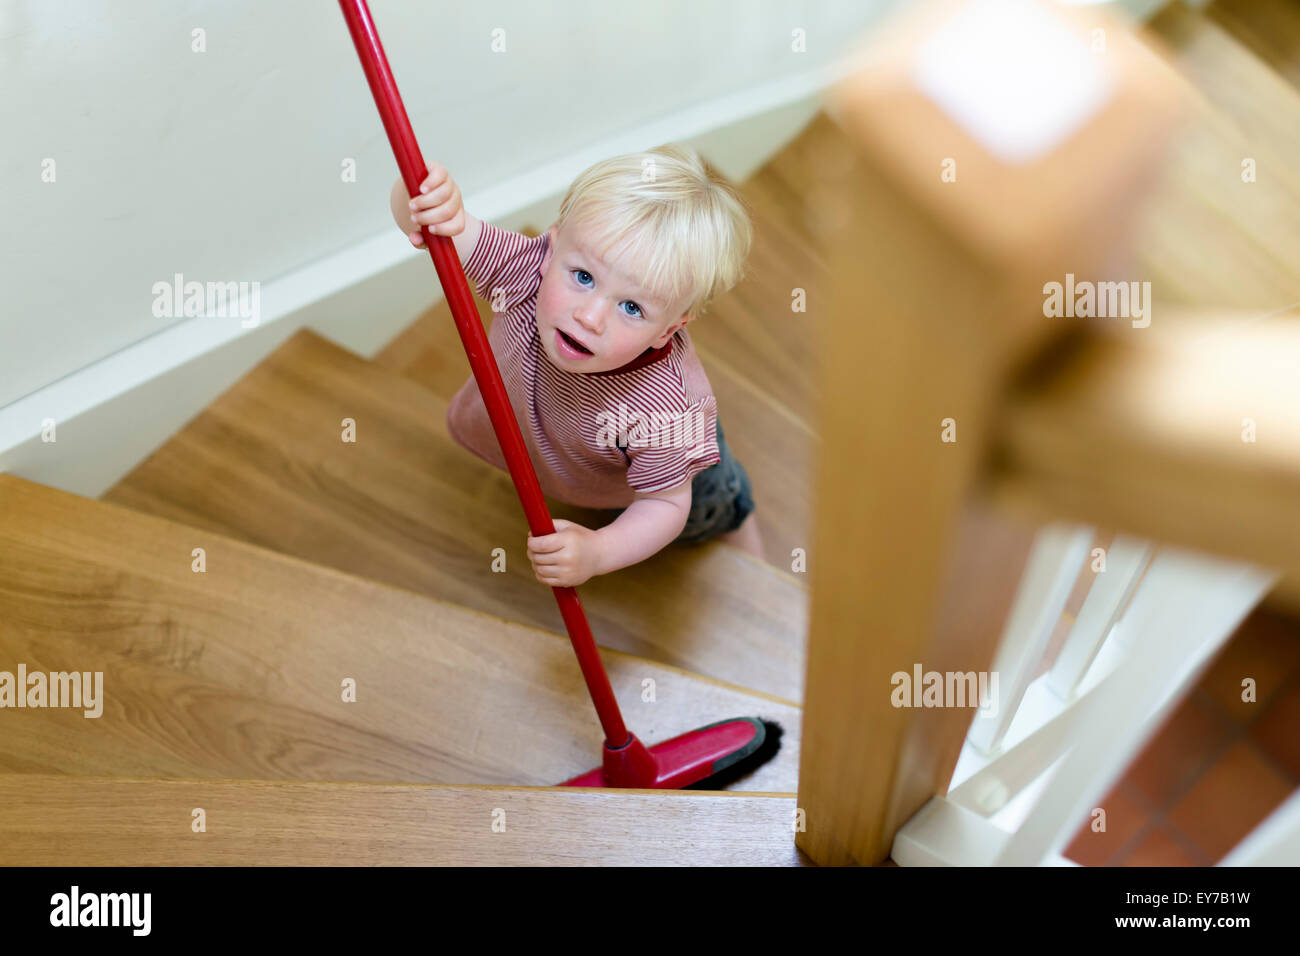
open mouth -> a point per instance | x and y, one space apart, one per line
573 345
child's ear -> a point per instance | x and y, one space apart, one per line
681 323
550 249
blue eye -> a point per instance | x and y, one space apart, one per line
576 273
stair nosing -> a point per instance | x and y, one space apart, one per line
374 784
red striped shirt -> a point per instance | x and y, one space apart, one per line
595 439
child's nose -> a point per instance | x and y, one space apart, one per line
589 318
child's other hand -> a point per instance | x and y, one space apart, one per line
437 206
567 558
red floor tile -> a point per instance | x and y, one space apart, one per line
1265 647
1277 730
1124 819
1229 800
1222 782
1162 848
1186 744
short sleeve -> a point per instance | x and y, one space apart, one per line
668 449
504 266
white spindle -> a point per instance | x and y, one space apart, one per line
1110 592
1042 730
1187 606
1054 562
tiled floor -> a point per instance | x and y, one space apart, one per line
1218 766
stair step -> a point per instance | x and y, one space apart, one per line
1268 28
73 821
1262 104
429 351
238 671
1201 208
407 506
754 330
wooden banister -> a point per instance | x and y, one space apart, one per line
1189 435
941 230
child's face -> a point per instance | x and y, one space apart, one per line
599 303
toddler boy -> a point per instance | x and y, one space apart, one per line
589 331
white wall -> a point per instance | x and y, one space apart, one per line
225 165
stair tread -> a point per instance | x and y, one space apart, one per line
1233 78
1241 109
407 506
70 821
754 328
238 671
1268 28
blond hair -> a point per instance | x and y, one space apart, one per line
686 228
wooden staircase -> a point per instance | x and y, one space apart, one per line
370 561
239 670
224 689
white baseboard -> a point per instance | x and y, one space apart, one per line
109 416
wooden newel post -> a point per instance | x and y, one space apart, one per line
979 157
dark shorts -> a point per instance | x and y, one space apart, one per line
721 498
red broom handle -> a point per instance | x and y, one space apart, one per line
481 361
